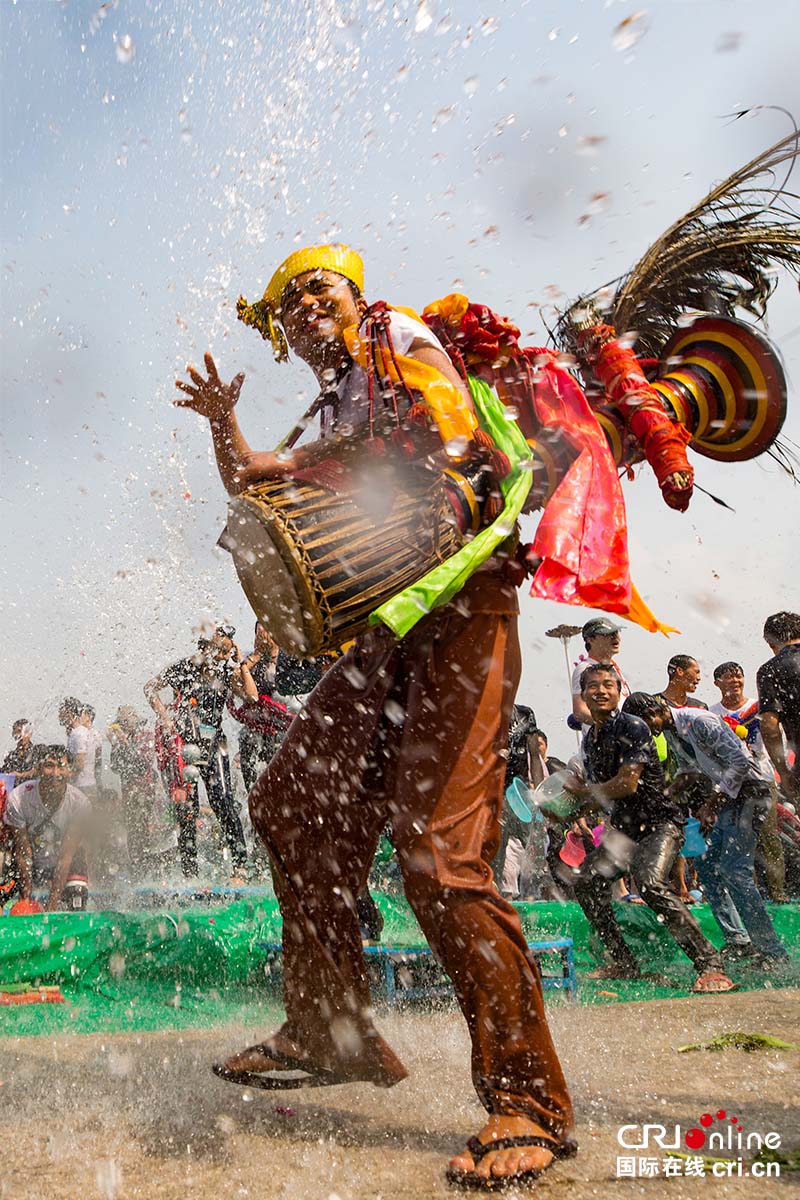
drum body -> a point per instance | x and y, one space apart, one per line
318 552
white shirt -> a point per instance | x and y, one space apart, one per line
25 810
353 390
754 741
84 741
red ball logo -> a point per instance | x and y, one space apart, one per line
695 1138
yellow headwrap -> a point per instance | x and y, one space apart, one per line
262 314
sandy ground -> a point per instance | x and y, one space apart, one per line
141 1116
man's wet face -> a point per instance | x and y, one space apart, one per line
601 693
21 733
690 676
731 687
656 720
219 649
316 307
54 774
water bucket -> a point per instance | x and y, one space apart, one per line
551 797
519 798
573 852
694 843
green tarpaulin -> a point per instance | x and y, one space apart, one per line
203 966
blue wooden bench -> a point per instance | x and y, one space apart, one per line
395 970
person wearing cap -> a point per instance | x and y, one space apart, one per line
201 687
413 730
601 642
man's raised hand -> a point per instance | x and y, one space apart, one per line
211 398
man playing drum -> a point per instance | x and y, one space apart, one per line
412 731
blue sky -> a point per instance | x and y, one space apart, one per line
160 158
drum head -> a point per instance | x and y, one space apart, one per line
272 581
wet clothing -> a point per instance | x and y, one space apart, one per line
703 743
651 868
201 695
133 759
747 714
625 740
726 870
347 404
393 731
299 676
256 746
778 683
87 742
518 766
654 821
46 829
21 759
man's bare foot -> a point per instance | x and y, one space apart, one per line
515 1161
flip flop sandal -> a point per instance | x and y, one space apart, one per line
498 1183
290 1074
718 981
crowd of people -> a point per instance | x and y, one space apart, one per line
650 766
673 801
152 818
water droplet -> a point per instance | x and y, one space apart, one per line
630 31
456 447
503 124
728 42
126 49
489 26
589 145
471 85
395 712
424 17
443 116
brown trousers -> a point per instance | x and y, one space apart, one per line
413 732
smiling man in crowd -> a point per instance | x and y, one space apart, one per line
49 819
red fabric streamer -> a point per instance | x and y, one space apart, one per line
582 535
663 442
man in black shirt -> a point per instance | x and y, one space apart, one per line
624 777
201 687
778 683
23 760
